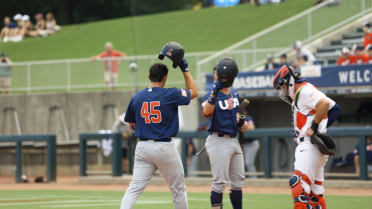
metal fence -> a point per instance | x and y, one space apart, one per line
84 74
306 26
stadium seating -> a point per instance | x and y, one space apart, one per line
328 55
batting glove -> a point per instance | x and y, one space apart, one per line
217 87
184 65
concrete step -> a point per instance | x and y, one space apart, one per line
328 54
352 36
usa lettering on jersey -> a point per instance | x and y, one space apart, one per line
228 104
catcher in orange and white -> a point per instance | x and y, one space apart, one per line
313 112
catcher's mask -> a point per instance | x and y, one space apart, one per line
227 70
284 81
174 51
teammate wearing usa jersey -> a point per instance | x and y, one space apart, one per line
221 105
153 115
313 112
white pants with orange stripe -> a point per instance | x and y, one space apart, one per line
311 162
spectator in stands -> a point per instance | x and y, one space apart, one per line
28 27
5 74
250 148
369 156
367 35
41 25
345 57
271 65
359 57
51 23
283 60
111 58
305 61
17 32
300 52
369 54
7 31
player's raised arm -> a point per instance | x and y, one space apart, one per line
189 81
208 106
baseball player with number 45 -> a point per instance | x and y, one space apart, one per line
221 105
313 112
153 115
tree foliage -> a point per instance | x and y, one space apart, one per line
78 11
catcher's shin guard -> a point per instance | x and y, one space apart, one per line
300 195
318 201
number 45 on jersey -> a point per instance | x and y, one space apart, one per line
149 113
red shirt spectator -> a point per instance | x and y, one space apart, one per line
367 36
358 57
114 63
345 57
110 53
365 58
111 62
369 54
367 40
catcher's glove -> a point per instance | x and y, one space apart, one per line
324 143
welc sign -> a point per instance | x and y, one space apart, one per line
355 76
332 76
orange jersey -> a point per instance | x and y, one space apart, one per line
369 59
365 58
353 59
367 40
343 60
113 67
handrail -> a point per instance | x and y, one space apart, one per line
255 36
133 58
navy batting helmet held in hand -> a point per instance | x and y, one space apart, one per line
173 51
227 70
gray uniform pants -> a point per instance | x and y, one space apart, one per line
149 157
227 162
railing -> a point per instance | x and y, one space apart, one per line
306 26
83 74
268 136
51 153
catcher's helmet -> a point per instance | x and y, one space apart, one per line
227 71
283 76
173 51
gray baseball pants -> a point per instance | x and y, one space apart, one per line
149 157
227 162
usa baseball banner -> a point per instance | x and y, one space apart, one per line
331 76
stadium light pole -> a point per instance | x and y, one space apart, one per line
133 18
133 65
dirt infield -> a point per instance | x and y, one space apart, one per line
71 183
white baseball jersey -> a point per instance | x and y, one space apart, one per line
303 106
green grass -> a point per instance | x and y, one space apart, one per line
204 30
156 200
